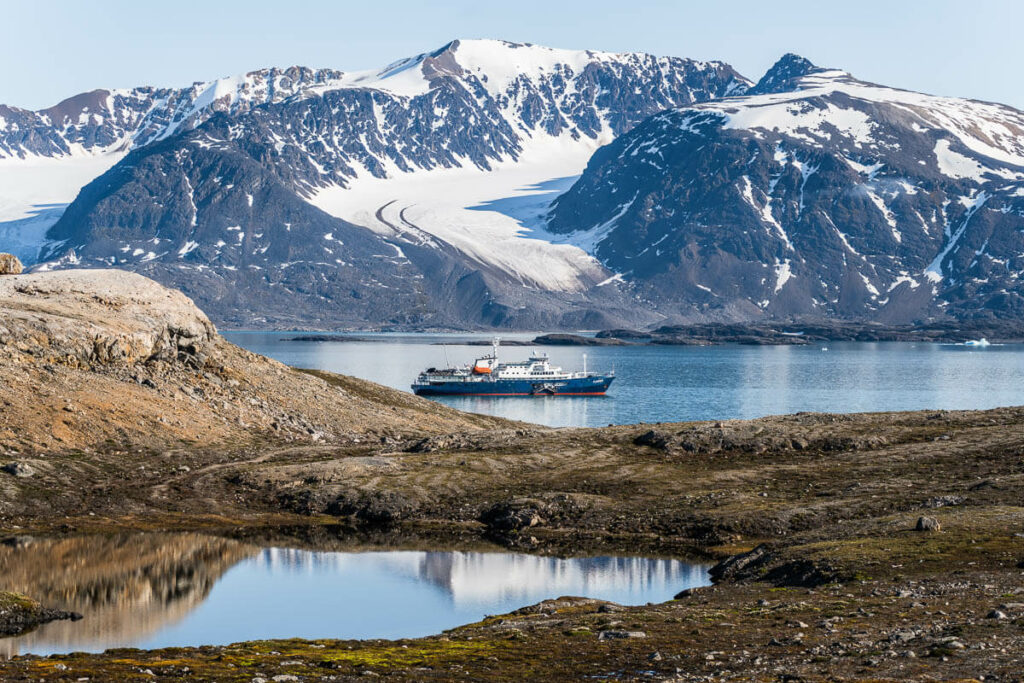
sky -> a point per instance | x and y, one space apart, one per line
52 50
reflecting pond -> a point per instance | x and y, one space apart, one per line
161 590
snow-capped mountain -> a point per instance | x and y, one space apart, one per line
324 197
813 194
47 156
445 190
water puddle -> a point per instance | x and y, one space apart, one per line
162 590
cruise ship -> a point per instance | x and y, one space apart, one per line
533 377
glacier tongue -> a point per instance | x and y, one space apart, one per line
493 217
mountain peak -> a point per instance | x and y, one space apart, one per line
783 73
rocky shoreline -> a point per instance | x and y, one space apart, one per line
883 546
19 614
794 333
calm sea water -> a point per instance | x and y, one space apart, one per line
670 383
152 591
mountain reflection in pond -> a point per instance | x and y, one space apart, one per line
160 590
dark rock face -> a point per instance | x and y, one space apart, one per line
513 516
761 564
784 75
743 565
374 508
212 199
824 197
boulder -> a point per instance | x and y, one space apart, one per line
18 469
654 439
742 566
10 265
512 516
620 635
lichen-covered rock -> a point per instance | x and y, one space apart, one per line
90 358
10 265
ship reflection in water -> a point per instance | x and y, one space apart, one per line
161 590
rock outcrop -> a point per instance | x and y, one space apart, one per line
19 613
111 357
10 264
99 316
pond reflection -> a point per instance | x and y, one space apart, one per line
130 587
159 590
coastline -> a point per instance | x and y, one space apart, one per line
794 333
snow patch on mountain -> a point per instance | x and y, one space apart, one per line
956 165
992 130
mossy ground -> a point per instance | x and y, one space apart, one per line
10 602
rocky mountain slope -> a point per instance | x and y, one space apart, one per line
244 192
813 195
111 358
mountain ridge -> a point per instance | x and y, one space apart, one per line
169 209
495 184
833 198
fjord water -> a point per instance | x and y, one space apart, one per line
163 590
677 383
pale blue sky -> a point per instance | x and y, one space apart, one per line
51 50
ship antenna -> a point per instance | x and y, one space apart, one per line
494 347
445 347
584 364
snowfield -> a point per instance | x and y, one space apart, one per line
494 217
35 191
991 130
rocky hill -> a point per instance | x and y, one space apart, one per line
94 359
816 195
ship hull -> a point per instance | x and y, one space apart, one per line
579 386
